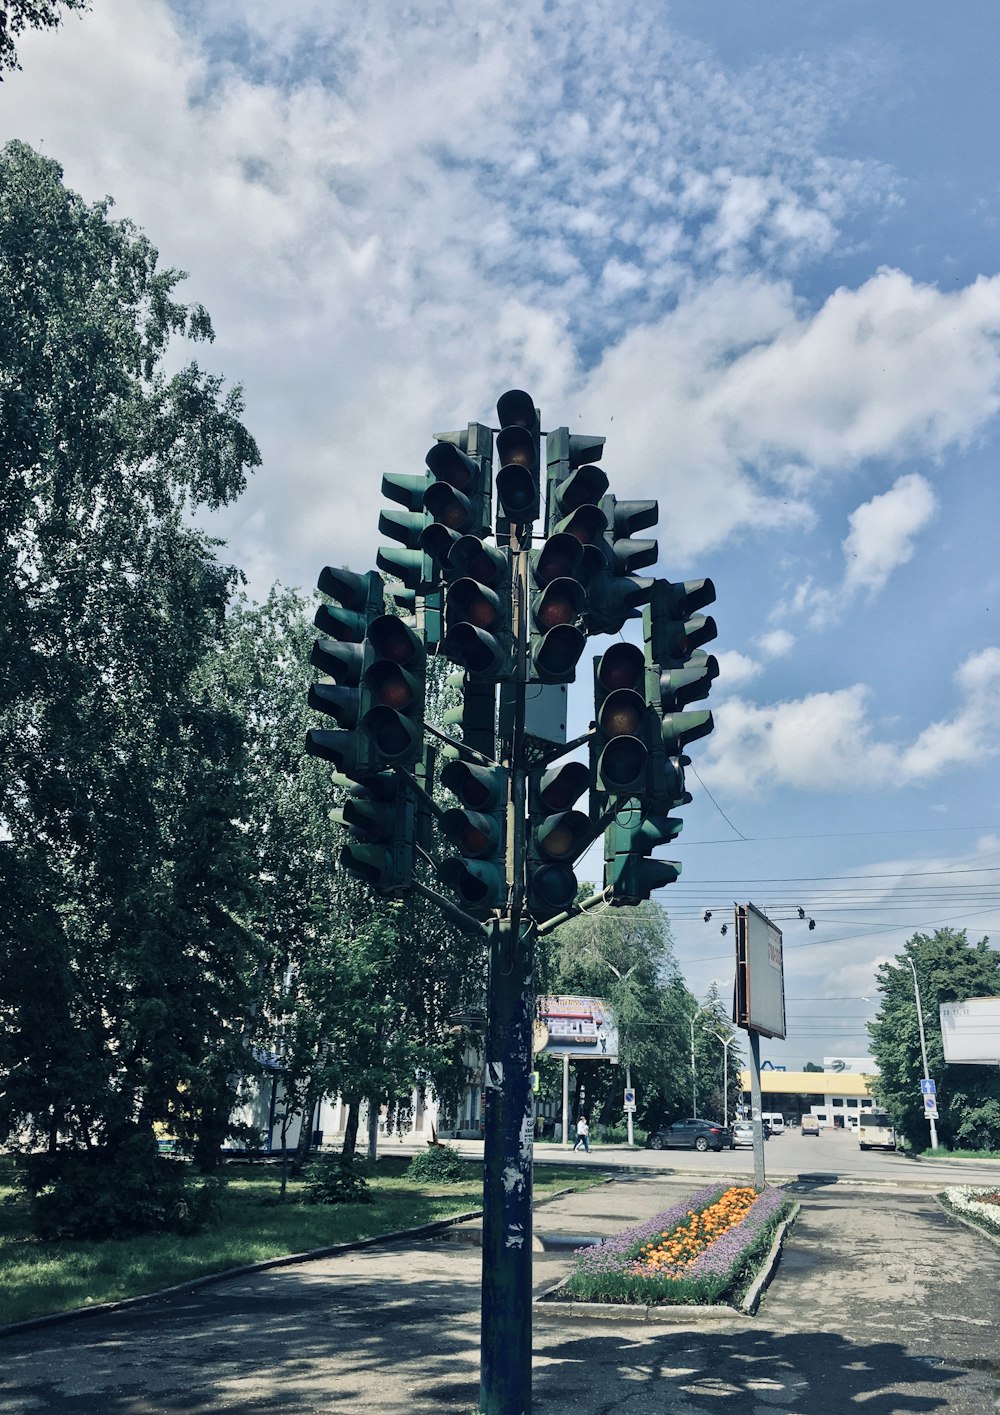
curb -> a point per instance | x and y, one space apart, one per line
968 1222
287 1260
762 1281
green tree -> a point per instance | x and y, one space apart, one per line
18 15
626 956
949 969
124 982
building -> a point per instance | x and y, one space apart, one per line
836 1095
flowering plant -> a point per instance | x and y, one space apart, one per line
693 1252
980 1205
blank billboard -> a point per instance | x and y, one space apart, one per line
970 1031
760 977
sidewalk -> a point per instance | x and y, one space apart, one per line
884 1302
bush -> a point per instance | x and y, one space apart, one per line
438 1164
104 1193
336 1181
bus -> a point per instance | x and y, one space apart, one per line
875 1131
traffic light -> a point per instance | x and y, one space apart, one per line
616 592
558 605
673 634
380 816
342 654
557 836
459 499
475 717
619 747
478 634
392 693
518 450
476 827
412 565
630 875
572 479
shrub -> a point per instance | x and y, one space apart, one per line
105 1193
336 1181
438 1164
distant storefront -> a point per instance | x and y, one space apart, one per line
836 1096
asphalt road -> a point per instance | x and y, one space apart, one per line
881 1303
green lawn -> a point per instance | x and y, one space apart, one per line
38 1278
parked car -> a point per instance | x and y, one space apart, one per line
699 1135
743 1134
809 1125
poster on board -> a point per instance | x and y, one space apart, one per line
582 1028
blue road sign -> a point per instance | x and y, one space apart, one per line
928 1088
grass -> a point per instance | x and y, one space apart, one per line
38 1278
941 1153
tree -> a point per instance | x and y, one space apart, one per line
124 980
626 955
812 1066
949 969
17 15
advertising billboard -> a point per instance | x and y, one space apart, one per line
760 976
970 1031
583 1028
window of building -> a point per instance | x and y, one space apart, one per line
837 1100
852 1103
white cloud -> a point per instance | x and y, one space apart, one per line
777 643
736 668
826 741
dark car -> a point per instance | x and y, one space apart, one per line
699 1135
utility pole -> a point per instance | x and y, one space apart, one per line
923 1046
476 590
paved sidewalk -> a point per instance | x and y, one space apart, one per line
881 1302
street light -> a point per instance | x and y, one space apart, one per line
726 1044
622 977
923 1046
694 1075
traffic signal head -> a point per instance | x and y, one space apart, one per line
557 836
476 829
380 818
459 497
517 449
619 751
630 875
392 693
477 629
674 629
342 655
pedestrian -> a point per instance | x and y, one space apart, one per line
582 1135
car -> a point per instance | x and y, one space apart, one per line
809 1125
742 1134
691 1134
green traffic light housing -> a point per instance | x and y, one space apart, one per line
517 448
379 816
557 836
392 693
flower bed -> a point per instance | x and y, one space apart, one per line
980 1205
701 1252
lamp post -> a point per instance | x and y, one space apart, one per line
923 1045
622 977
726 1044
694 1075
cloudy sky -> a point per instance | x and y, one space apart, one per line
754 245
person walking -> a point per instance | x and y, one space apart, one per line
582 1135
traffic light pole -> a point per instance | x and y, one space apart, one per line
505 1349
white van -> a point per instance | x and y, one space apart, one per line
775 1120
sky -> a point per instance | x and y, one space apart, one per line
756 246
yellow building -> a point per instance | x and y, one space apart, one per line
836 1098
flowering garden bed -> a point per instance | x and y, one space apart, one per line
980 1206
702 1252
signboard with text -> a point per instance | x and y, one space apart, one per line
583 1028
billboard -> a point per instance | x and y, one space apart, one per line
970 1031
760 976
583 1028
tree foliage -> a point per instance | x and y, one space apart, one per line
948 969
18 15
123 979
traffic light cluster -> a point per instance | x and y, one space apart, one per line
461 584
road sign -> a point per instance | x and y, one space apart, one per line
629 1099
928 1088
930 1107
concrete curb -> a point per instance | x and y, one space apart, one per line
402 1235
546 1304
761 1282
967 1222
424 1230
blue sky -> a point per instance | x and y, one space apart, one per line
755 245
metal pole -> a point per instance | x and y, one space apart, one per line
694 1084
756 1107
505 1334
628 1113
565 1099
923 1046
